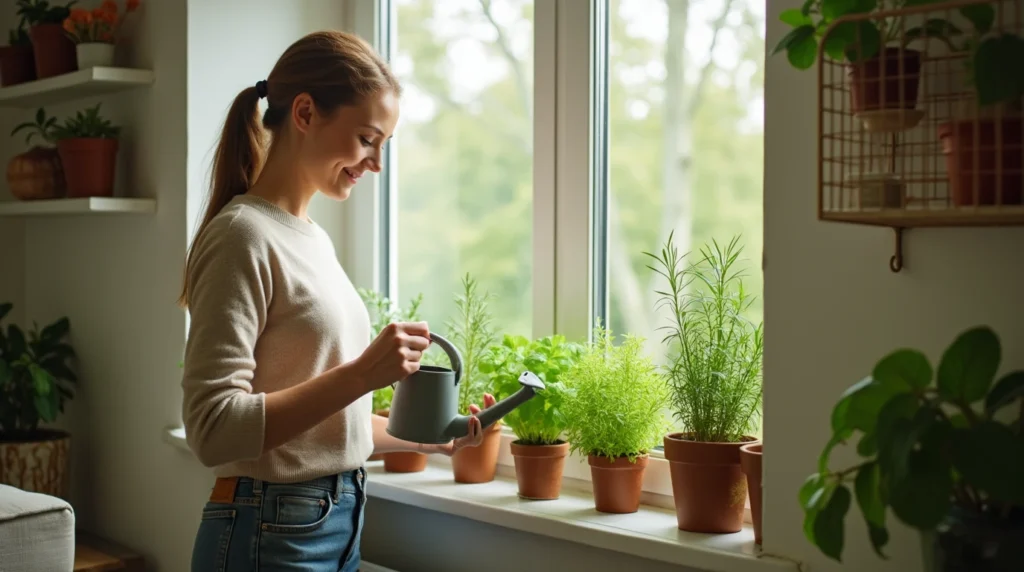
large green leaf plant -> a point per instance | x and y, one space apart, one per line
35 377
931 440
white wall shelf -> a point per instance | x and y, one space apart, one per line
84 206
74 85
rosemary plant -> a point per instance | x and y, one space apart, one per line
471 332
714 368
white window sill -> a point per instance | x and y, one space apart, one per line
651 533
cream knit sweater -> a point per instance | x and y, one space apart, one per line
270 308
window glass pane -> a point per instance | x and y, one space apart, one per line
464 164
685 144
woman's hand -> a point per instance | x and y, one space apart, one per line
476 432
393 356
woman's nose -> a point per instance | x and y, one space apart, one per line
372 164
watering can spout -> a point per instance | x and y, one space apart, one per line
530 383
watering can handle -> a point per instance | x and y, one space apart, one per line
453 355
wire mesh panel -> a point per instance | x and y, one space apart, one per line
920 113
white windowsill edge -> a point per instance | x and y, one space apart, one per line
650 533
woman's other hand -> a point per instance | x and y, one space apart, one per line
393 356
476 432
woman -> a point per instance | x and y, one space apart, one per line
278 366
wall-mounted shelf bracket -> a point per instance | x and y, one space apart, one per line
896 261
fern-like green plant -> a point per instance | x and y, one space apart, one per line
715 351
86 124
540 420
18 36
34 12
615 401
470 330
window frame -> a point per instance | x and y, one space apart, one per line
568 178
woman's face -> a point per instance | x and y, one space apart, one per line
340 147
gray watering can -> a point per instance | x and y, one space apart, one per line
425 406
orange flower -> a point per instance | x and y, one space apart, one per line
79 15
69 27
108 6
132 5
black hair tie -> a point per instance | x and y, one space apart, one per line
261 88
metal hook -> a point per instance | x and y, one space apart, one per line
896 261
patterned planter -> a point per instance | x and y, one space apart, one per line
39 465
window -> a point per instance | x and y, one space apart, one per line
548 183
461 164
685 87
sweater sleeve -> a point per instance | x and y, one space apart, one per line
229 293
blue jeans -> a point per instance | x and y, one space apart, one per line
312 526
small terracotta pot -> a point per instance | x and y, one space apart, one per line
995 168
473 465
617 483
405 462
89 166
17 65
539 469
708 485
401 462
54 51
750 461
879 83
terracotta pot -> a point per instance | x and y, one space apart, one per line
473 465
401 462
750 461
89 166
405 462
617 483
960 144
17 65
708 484
36 174
54 50
539 469
879 83
39 464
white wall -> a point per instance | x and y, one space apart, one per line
833 308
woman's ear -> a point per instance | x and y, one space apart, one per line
303 110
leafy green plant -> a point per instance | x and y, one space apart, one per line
383 312
853 41
615 400
18 36
931 442
35 12
994 59
540 420
714 368
43 126
35 379
87 124
470 330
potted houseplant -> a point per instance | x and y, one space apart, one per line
714 372
383 312
614 416
470 330
17 62
35 381
53 50
95 32
982 148
539 451
37 173
87 144
884 74
943 448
